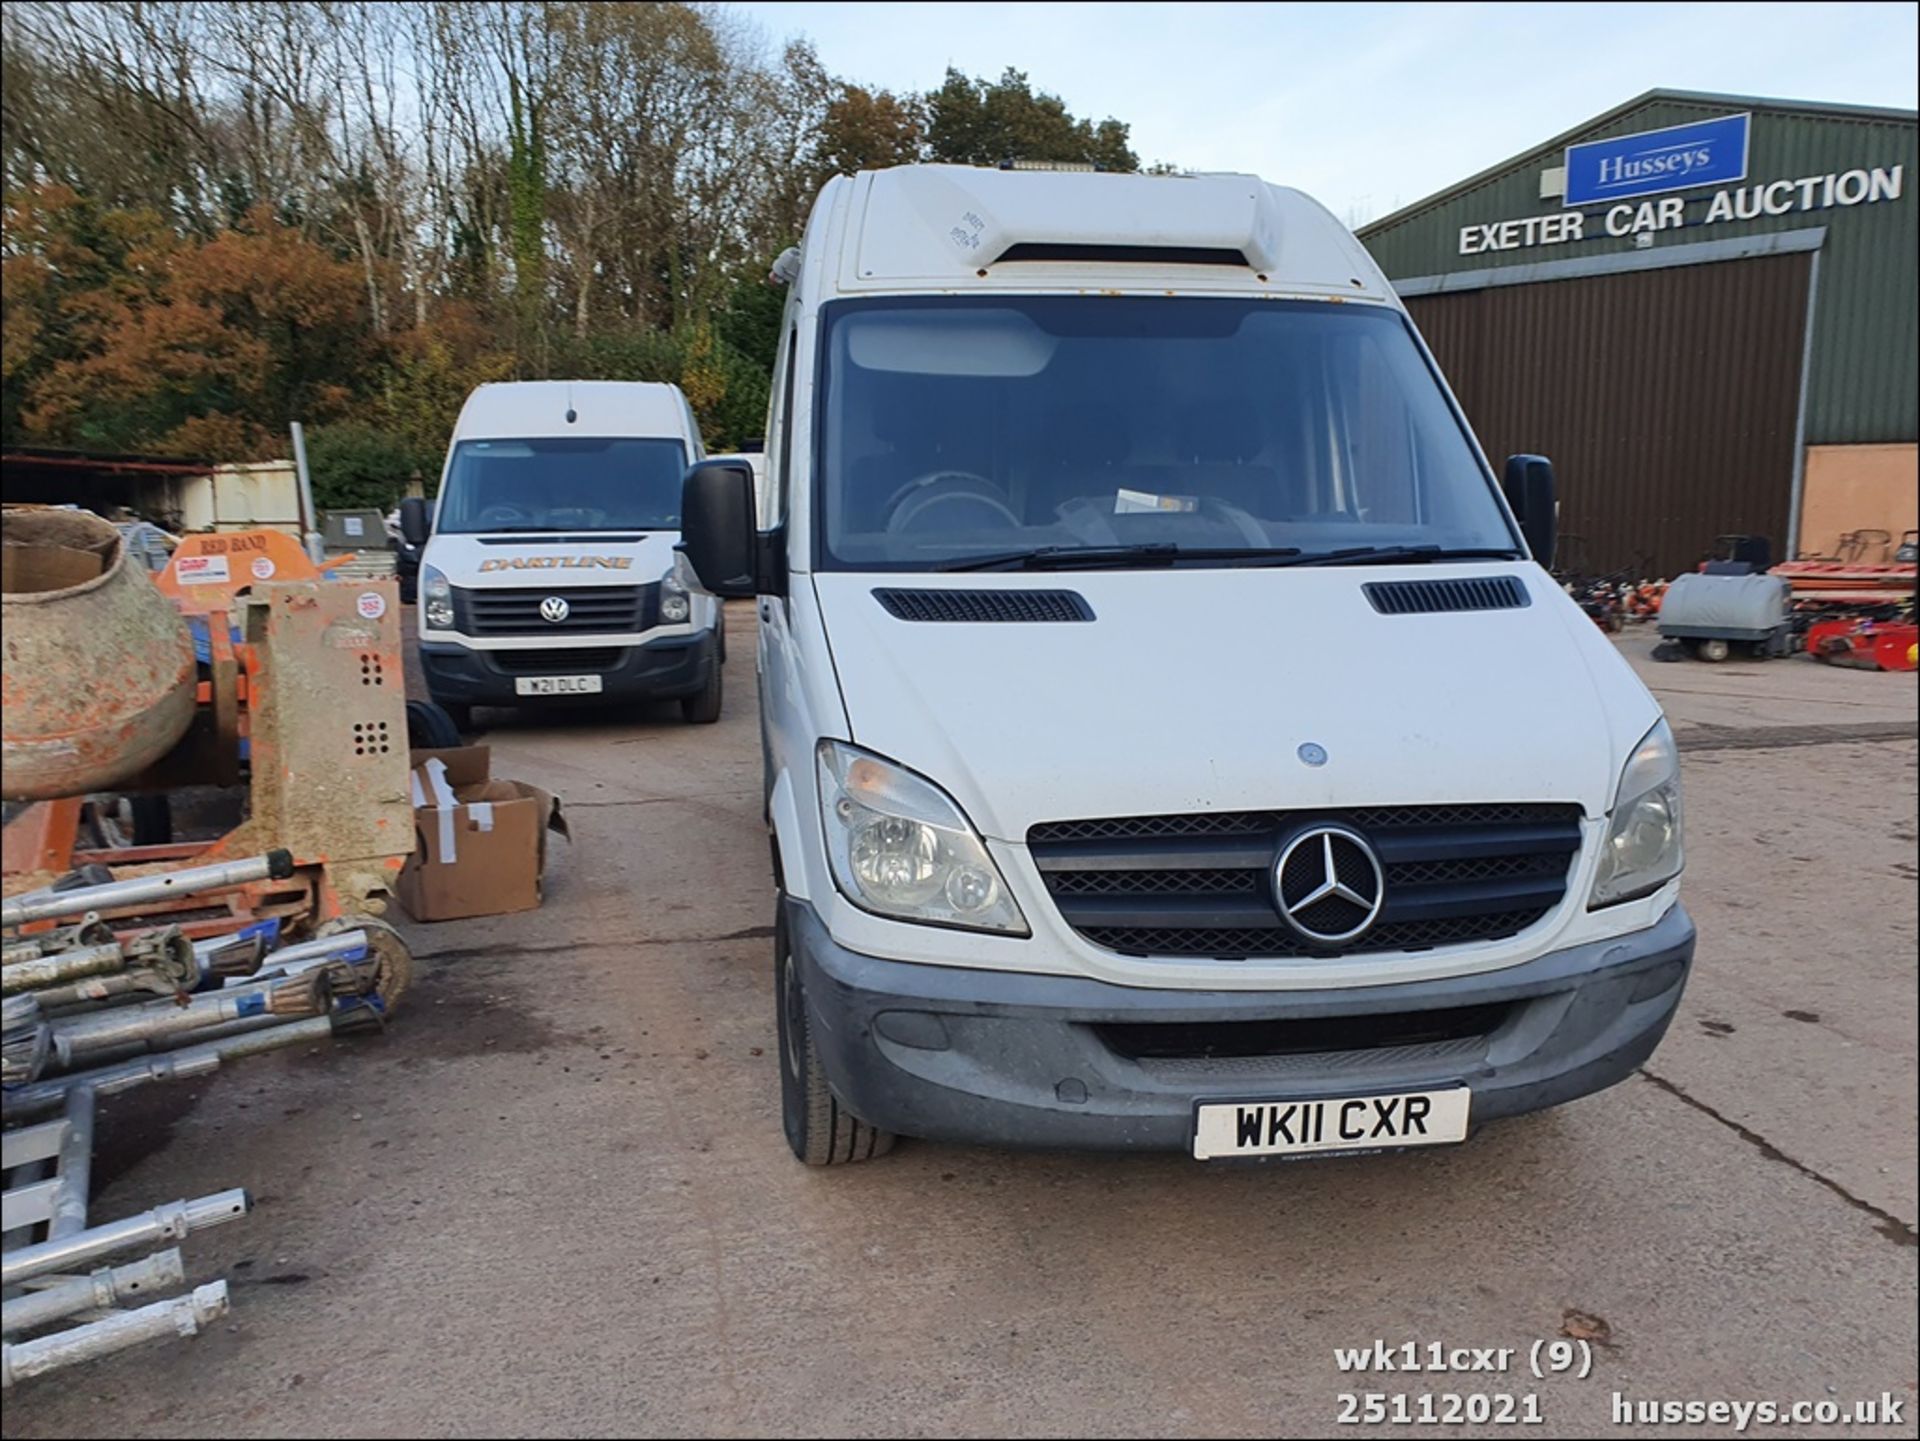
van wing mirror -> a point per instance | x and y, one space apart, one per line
1530 490
717 533
413 521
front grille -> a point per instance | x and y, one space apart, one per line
1141 883
590 609
1201 885
1241 943
1224 823
587 660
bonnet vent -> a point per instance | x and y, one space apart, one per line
1429 597
985 606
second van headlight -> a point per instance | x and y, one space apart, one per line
900 847
675 604
1643 848
436 598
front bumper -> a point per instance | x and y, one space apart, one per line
659 669
1012 1059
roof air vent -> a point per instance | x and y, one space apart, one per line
1048 251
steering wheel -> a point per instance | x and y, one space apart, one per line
943 490
505 513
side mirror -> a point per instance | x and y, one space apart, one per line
1529 488
717 533
414 524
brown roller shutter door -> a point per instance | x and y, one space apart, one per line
1667 399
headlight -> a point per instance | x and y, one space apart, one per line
675 604
436 598
900 847
1643 849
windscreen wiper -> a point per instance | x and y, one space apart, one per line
1061 557
1092 557
1400 555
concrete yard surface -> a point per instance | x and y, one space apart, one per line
553 1198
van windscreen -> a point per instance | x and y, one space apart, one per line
563 483
970 427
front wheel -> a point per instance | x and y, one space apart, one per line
821 1131
703 706
433 726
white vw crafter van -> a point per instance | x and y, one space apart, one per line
1172 738
550 574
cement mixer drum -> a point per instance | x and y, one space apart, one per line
99 675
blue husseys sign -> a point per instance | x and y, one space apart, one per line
1707 152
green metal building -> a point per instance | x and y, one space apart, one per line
1704 308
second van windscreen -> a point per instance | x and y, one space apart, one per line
956 428
563 483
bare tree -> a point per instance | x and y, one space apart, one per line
117 108
580 163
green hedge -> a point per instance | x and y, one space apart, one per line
356 465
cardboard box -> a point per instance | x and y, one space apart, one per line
481 843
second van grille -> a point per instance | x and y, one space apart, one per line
607 609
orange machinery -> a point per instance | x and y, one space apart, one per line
301 697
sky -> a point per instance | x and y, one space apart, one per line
1365 107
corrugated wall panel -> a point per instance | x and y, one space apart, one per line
1864 385
1665 398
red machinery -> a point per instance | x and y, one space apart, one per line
1865 644
1860 613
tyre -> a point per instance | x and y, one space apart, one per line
720 638
821 1131
432 726
703 706
1714 650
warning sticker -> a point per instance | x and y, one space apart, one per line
372 605
200 569
262 568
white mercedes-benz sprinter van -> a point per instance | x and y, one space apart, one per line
1172 737
550 573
